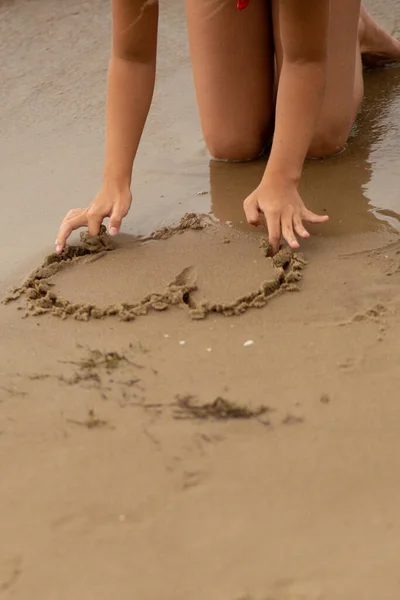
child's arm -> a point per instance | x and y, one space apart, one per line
130 86
303 30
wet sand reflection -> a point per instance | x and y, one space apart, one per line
342 186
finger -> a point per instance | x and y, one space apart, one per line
299 227
72 221
261 220
311 217
115 220
287 230
94 221
274 232
252 212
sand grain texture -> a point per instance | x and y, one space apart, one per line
287 442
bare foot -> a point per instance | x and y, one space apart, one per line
378 47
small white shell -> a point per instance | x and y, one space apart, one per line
248 343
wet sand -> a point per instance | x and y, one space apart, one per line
232 457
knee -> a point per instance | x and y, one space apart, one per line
329 141
235 148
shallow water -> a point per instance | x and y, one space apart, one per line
53 90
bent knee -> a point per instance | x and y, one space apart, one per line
235 148
329 142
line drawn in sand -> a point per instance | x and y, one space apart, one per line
40 297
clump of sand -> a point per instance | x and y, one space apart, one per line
226 279
220 409
192 221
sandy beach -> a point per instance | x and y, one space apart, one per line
181 416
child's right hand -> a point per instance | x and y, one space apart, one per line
111 201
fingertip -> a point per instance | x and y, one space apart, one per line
253 218
275 247
113 231
314 218
252 214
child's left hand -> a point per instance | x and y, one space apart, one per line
283 209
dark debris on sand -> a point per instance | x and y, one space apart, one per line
218 410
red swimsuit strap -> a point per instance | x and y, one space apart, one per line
241 4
